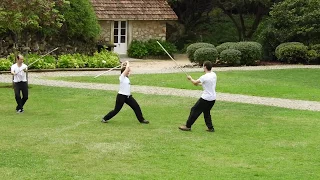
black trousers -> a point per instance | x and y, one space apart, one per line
201 106
21 87
121 99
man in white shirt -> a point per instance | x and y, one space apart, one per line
18 70
124 96
207 100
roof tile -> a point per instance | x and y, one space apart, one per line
133 10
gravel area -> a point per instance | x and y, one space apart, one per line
168 66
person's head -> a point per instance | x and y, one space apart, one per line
207 65
19 59
122 70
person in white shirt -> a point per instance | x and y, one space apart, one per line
124 96
18 70
207 99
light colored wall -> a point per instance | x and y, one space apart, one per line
106 30
145 30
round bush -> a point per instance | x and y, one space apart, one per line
137 49
250 52
226 45
292 52
193 47
231 57
205 54
154 49
316 47
5 64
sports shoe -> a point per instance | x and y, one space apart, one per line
104 121
210 130
184 128
144 122
20 111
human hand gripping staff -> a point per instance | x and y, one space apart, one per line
124 96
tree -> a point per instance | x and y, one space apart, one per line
299 23
233 8
189 12
24 17
80 20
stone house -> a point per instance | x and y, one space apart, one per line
122 21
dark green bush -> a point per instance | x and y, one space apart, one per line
292 52
137 49
205 54
193 47
226 45
142 49
5 64
231 57
155 50
251 52
316 47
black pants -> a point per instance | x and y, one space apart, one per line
121 99
23 88
201 106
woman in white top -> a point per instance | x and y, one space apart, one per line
124 96
18 70
207 99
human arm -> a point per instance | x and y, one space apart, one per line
194 82
127 66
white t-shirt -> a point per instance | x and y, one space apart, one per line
124 85
208 82
21 76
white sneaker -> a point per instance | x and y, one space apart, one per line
104 121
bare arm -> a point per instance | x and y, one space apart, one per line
126 71
194 82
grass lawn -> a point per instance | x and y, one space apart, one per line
60 136
302 84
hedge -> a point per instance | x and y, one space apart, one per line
193 47
205 54
231 57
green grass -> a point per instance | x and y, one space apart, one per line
60 137
302 84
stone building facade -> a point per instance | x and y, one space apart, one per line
124 21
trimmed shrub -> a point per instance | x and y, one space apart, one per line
292 53
231 57
316 47
5 64
251 52
205 54
226 45
137 49
193 47
154 49
142 49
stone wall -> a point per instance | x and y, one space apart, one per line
145 30
105 34
41 45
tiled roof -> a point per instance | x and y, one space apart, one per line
133 10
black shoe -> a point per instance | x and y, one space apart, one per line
104 121
184 128
144 122
20 111
210 130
